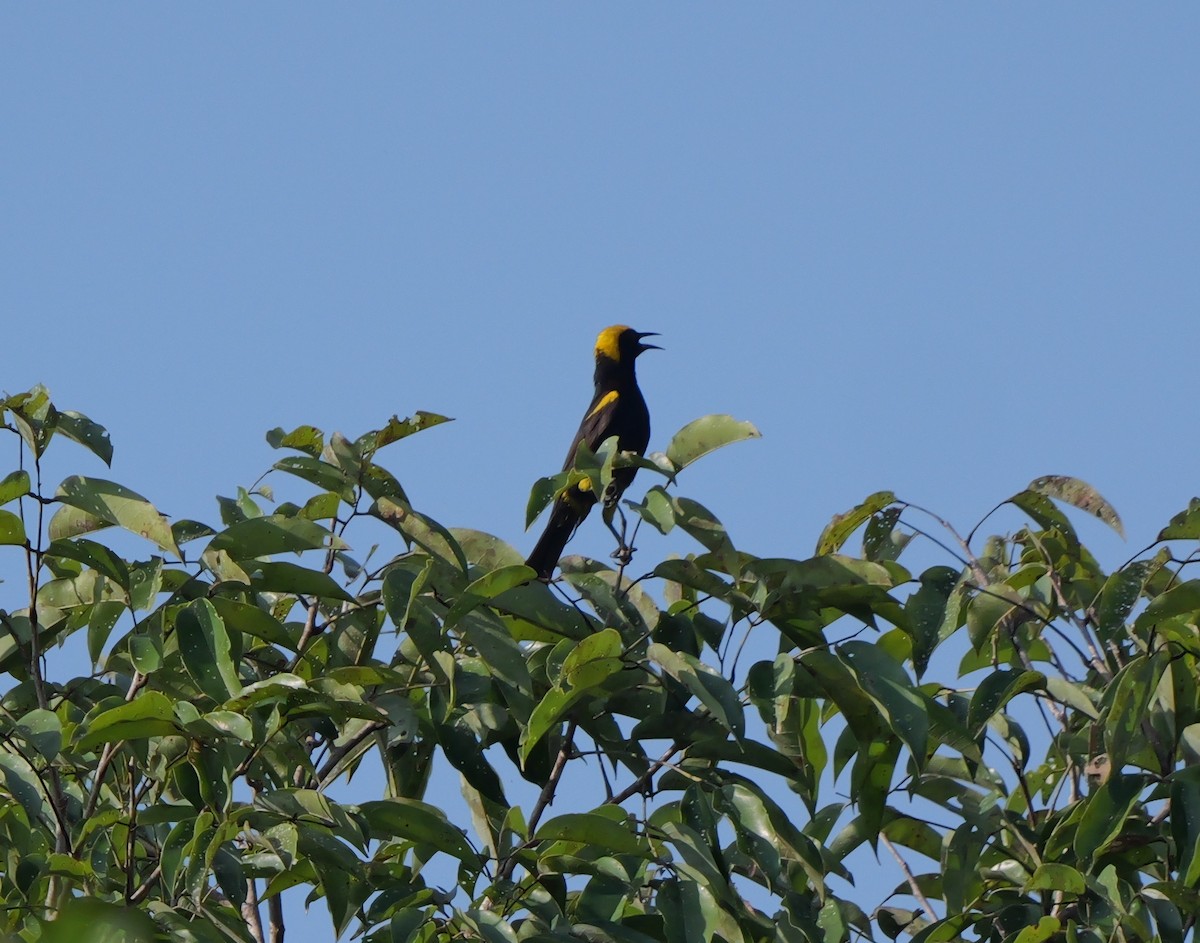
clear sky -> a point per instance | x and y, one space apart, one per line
941 249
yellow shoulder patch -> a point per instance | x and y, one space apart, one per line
608 343
605 400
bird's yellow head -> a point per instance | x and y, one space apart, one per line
618 343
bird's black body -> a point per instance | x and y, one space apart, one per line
617 408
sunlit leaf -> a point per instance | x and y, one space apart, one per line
838 531
113 504
1078 494
704 435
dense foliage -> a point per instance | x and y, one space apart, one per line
1014 727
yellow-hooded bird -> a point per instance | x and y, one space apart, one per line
617 408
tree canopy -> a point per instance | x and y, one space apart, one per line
715 746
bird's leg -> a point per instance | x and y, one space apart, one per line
624 553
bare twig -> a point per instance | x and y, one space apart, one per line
543 800
908 876
250 912
640 784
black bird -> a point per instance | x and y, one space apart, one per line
617 408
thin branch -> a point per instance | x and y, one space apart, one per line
250 912
908 876
543 800
275 915
640 784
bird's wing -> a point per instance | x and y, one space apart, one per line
596 423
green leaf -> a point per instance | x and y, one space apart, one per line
656 509
1185 525
397 429
889 686
89 553
1132 689
188 530
150 714
242 617
996 690
1104 814
308 439
838 530
1045 929
927 612
325 476
263 536
426 533
418 822
548 712
33 414
1051 876
42 730
205 648
1119 595
1044 513
91 435
881 540
12 531
704 435
1078 494
712 690
594 830
1181 599
1071 694
103 618
113 504
15 485
1185 824
295 579
486 587
593 660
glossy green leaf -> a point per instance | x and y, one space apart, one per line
12 531
1132 689
548 713
889 686
101 621
1185 525
712 690
307 439
397 429
590 828
1118 597
704 435
1045 929
294 579
1104 814
996 690
838 530
1052 876
205 647
42 730
91 435
110 503
14 485
271 534
1185 824
150 714
927 610
92 554
1078 494
417 822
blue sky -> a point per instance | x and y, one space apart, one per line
941 250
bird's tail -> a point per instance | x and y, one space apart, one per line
563 521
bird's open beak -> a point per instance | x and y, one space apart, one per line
642 346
